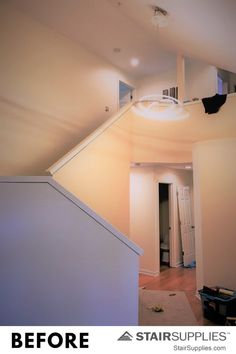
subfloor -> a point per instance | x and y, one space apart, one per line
177 279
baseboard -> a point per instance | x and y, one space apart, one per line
177 265
149 272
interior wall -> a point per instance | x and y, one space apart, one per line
201 79
148 148
144 217
99 176
155 84
144 212
215 205
59 264
53 93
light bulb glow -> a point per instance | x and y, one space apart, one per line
160 107
134 62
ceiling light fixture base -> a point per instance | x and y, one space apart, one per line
160 17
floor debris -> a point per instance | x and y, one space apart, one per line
157 308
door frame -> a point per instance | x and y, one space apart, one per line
186 225
131 88
173 223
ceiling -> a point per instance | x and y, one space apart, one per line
200 29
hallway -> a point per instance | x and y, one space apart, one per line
177 279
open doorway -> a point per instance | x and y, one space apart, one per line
145 218
169 238
164 225
125 94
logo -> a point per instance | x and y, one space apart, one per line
53 340
125 337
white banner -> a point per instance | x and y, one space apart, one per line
99 340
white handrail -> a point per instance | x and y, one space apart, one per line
101 129
85 142
77 202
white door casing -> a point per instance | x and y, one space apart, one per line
186 227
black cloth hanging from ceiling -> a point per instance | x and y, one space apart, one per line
213 104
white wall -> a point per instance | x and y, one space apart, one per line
144 213
215 205
201 79
143 217
155 84
60 263
53 93
99 174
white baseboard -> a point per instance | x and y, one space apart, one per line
177 265
149 272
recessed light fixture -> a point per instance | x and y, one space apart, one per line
188 167
134 61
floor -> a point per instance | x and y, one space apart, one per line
177 279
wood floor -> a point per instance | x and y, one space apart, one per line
177 279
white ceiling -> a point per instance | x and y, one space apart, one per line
201 29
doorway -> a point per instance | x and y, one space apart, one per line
125 94
164 225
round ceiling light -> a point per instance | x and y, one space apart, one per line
160 107
134 61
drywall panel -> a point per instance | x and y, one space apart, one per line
148 148
201 79
53 93
155 84
59 266
99 176
215 205
143 217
